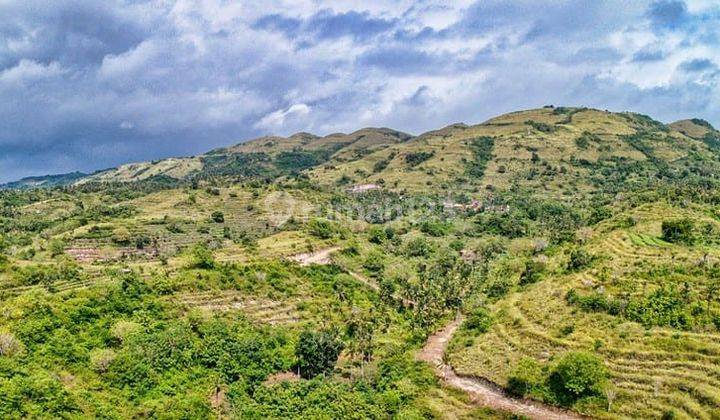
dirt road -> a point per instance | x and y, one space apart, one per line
481 391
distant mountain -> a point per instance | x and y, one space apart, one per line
46 181
263 157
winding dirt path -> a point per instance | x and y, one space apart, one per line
481 391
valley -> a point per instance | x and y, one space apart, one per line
547 263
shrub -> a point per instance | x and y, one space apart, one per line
202 257
100 359
511 224
586 139
122 330
526 378
374 262
579 259
416 158
663 307
9 345
498 287
540 126
317 352
218 217
377 235
679 231
380 165
435 228
532 273
479 321
322 228
56 247
578 374
482 148
418 247
121 236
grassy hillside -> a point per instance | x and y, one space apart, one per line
266 157
557 151
299 277
648 307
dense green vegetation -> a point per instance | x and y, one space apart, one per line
581 247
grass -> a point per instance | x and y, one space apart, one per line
654 370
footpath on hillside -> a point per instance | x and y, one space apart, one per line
482 392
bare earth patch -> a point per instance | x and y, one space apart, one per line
318 257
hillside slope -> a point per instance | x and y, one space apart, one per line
580 247
262 157
558 151
554 150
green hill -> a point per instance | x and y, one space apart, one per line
266 157
302 277
560 151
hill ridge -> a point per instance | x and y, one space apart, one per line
336 157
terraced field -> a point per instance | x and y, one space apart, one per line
654 371
259 310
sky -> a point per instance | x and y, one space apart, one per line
87 84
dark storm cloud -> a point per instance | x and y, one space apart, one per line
668 14
72 33
88 84
648 56
327 24
697 65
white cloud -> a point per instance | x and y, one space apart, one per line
283 118
29 71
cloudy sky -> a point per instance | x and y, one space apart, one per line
89 84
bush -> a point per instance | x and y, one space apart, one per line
435 228
416 158
9 345
511 224
121 236
374 262
479 321
418 247
56 247
202 257
377 235
218 217
317 352
100 359
578 374
322 228
579 259
122 330
499 287
679 231
528 377
532 273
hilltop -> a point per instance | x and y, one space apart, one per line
555 149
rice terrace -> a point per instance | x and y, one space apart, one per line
234 231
